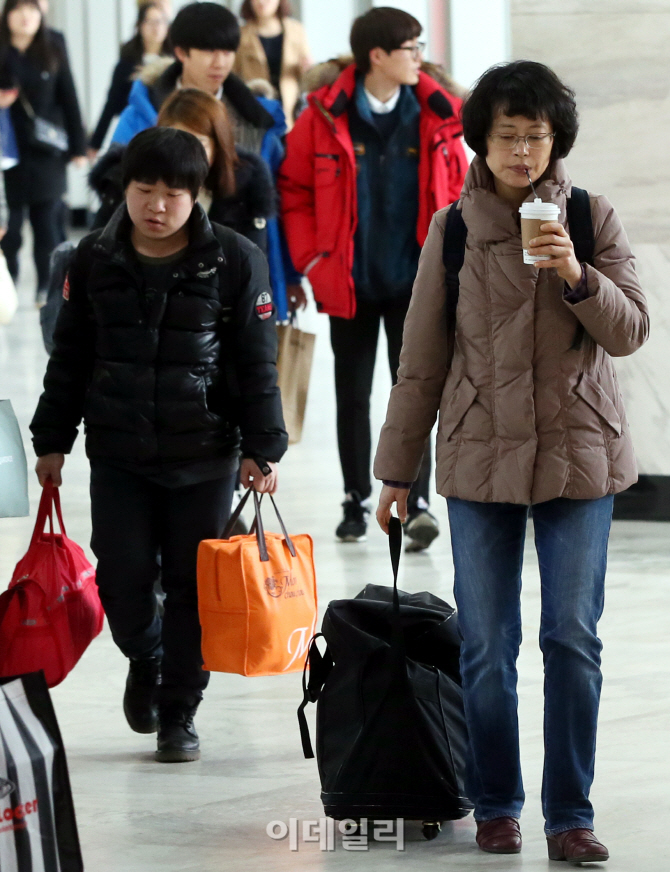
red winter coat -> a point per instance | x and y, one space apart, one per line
317 183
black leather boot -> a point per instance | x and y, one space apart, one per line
139 707
177 739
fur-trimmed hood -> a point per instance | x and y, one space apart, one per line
328 72
150 73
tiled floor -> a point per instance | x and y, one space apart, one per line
139 816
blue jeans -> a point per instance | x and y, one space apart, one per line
571 541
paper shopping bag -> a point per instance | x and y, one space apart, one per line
257 599
13 466
38 830
294 365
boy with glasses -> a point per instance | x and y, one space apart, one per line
370 160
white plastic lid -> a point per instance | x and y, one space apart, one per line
538 209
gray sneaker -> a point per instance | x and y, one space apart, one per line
421 528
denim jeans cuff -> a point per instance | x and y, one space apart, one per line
494 815
576 825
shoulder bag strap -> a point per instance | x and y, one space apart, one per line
453 256
580 223
319 666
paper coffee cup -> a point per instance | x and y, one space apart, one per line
532 216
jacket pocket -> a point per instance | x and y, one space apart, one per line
326 168
595 397
455 410
328 201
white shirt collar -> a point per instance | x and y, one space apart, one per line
218 95
382 108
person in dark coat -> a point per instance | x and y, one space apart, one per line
39 67
149 43
166 346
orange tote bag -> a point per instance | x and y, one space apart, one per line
257 599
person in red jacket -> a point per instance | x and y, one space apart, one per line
376 152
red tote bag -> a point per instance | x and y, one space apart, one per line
51 611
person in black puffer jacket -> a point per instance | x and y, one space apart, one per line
238 192
166 346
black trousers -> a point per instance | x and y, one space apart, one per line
354 344
135 520
45 219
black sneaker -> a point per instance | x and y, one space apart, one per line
139 707
177 739
354 525
420 529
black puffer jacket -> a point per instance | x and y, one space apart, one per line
185 374
246 212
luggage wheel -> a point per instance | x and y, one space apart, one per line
431 829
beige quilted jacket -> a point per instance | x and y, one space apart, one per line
523 417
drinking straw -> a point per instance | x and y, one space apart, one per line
531 186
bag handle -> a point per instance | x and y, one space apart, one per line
397 635
258 524
50 498
287 538
395 547
319 669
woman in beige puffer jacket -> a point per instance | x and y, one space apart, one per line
530 413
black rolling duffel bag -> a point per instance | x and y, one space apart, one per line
391 735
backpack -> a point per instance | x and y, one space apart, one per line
391 736
578 209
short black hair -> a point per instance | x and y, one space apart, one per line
205 26
162 154
521 88
383 27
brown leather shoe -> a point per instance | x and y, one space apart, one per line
499 836
576 846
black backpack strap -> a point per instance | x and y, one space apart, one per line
319 669
580 223
453 255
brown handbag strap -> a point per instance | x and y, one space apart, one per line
260 532
287 538
257 527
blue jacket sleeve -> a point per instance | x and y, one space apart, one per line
138 115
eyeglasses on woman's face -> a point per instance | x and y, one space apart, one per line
415 50
509 141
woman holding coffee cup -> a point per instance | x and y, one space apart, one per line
530 414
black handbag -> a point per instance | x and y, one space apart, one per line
44 134
391 735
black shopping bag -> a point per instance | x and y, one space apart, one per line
391 738
38 830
